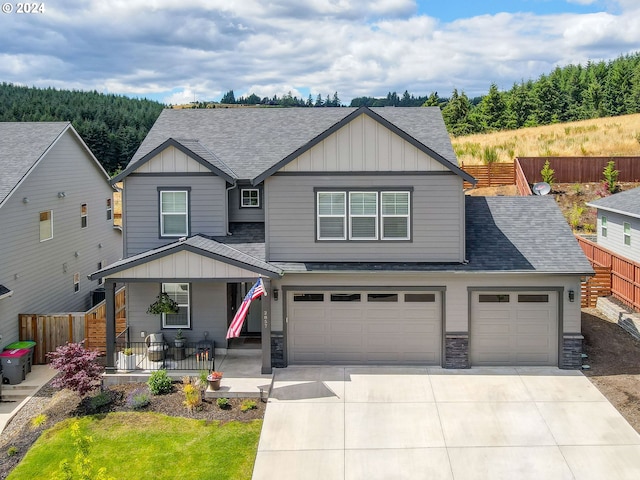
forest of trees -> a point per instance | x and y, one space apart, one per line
113 126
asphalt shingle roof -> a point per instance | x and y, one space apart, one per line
627 203
21 146
252 140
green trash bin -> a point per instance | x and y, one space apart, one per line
31 345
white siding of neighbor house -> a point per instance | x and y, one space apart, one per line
614 240
437 219
141 210
456 294
364 145
184 265
35 270
208 312
172 160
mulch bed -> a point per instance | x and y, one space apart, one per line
58 405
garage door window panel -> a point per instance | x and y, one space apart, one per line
346 297
308 297
493 298
419 297
533 298
382 297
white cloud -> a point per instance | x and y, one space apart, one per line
270 48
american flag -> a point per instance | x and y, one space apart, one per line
236 324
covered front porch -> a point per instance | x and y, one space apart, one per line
208 280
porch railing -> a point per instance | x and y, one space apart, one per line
191 356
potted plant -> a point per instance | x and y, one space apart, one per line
179 340
163 304
126 359
214 380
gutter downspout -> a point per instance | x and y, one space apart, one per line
226 206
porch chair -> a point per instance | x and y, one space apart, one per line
156 347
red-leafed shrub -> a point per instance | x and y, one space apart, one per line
78 366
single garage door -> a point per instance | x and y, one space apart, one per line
514 328
364 327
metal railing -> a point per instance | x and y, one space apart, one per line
191 356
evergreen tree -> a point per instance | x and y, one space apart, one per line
228 98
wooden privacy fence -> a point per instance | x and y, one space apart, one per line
522 184
596 286
491 175
50 331
624 273
580 169
95 321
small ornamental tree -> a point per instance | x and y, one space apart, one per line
610 175
78 366
547 173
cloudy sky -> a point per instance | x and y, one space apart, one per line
176 52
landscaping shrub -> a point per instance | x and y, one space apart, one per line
38 420
248 405
223 403
138 399
78 366
610 175
547 173
160 383
192 397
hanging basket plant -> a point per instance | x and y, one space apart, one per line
163 304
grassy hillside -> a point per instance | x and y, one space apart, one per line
609 136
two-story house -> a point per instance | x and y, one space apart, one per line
357 221
619 223
56 222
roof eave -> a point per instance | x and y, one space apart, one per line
613 210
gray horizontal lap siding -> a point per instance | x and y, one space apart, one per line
245 214
208 312
436 220
206 208
614 240
42 285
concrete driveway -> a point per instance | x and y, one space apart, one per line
429 423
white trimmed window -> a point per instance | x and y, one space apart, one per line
179 292
46 225
109 209
174 214
627 233
84 215
100 267
76 282
332 216
603 227
395 215
250 198
363 215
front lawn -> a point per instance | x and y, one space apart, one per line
148 445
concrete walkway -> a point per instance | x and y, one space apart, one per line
429 423
15 396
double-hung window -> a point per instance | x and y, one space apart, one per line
627 233
363 215
603 228
179 292
84 215
332 216
250 198
174 213
46 225
395 215
109 209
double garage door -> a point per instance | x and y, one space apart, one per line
514 328
364 327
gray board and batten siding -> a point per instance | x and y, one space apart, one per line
207 208
437 219
40 274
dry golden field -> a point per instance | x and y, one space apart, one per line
610 136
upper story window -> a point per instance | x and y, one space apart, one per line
76 282
109 209
84 213
363 215
46 225
627 233
250 197
174 213
603 226
179 292
332 216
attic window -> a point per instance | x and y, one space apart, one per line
250 197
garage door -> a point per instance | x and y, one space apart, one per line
514 328
364 327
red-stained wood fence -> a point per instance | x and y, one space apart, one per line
624 276
491 175
580 169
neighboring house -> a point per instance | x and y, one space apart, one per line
56 222
357 221
619 223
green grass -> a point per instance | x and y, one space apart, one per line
147 445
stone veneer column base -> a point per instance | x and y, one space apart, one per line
456 350
277 351
571 351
